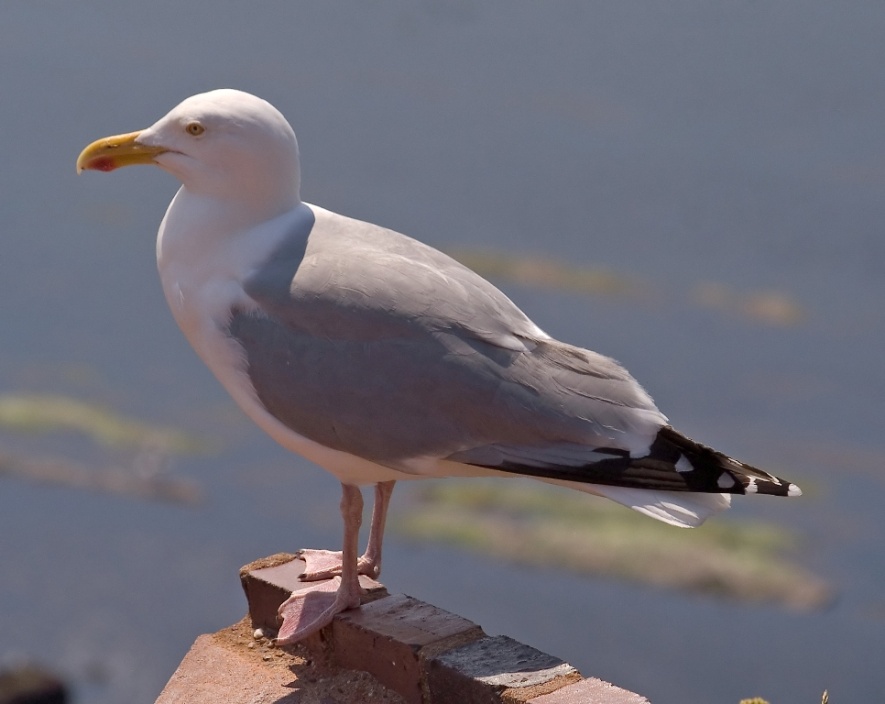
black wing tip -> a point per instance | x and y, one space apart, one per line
769 487
673 462
733 476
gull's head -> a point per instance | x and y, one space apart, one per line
224 144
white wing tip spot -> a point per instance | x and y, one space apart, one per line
725 481
683 465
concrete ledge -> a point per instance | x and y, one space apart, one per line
393 649
232 667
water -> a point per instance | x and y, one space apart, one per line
677 144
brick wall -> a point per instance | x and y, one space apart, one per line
393 649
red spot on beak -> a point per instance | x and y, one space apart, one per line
102 163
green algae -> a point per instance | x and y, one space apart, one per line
48 413
547 526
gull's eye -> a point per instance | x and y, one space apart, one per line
195 129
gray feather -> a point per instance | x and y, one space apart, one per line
372 343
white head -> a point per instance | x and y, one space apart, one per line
226 145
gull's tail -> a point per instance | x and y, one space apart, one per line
678 480
673 462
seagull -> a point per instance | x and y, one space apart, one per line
381 359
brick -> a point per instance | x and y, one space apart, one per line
211 673
590 691
269 582
425 654
231 667
492 670
391 638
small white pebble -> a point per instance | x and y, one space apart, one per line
267 657
258 633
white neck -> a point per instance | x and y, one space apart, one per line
206 248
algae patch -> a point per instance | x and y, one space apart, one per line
546 273
547 526
45 413
142 476
771 308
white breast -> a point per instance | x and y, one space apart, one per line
203 260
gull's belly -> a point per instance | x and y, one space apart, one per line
201 310
224 357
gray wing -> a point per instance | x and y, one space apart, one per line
369 342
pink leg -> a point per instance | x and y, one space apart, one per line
305 613
323 564
370 562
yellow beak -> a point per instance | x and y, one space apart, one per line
113 152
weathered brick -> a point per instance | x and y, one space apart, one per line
590 691
269 582
492 670
427 655
231 667
392 637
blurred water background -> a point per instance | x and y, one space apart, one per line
726 161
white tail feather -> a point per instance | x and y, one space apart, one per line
678 508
